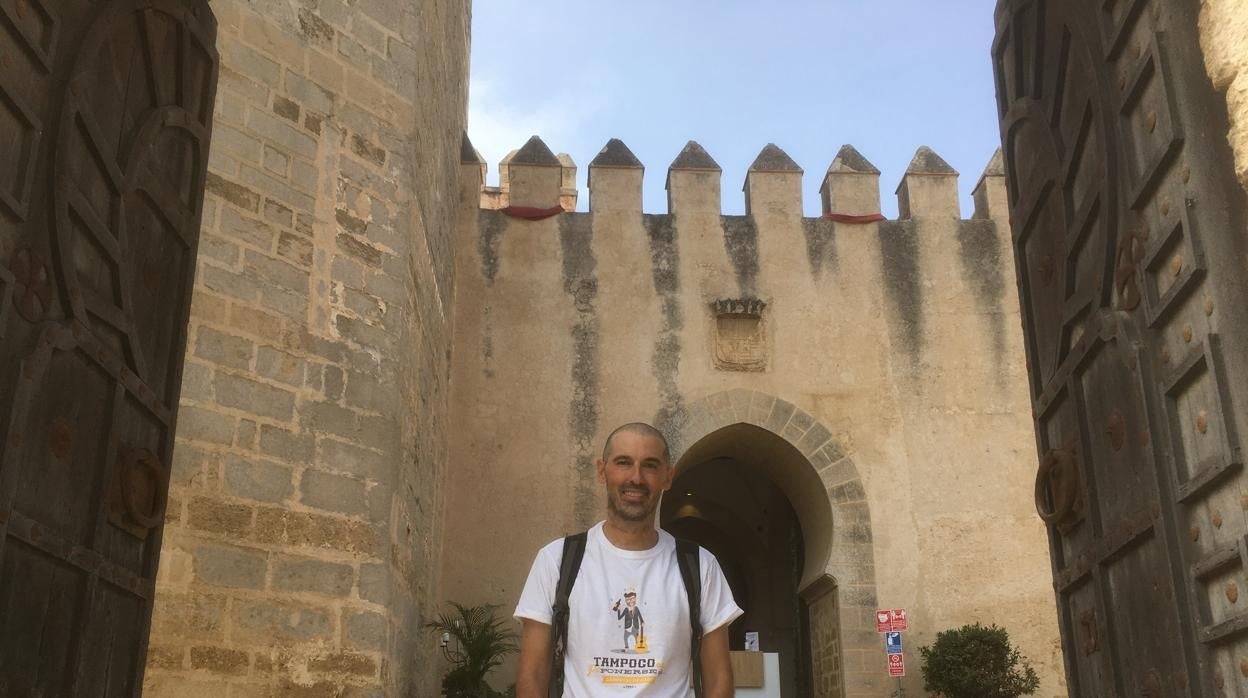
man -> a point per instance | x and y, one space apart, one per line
627 552
634 624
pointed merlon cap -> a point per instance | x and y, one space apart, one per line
468 155
927 162
772 159
616 154
695 157
849 161
996 166
535 152
989 193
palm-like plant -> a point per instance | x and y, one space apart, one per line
481 643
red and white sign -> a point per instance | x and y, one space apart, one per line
883 621
896 665
887 620
897 618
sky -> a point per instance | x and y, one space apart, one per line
884 75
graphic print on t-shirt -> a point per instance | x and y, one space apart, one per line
626 664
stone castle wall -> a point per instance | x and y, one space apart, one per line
304 519
1224 42
888 352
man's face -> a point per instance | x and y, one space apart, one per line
635 474
631 601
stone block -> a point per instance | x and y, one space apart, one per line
220 660
333 382
328 578
219 565
329 418
259 623
286 445
245 229
280 366
254 397
217 248
275 271
326 70
255 322
275 161
264 183
309 94
281 133
366 392
364 334
231 140
224 349
232 192
187 465
256 479
349 458
247 61
308 530
295 249
196 382
349 663
198 424
375 583
275 212
216 516
333 493
364 631
229 283
180 616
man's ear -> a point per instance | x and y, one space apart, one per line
671 476
601 466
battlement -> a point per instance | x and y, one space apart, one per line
534 179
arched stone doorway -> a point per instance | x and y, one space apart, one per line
766 487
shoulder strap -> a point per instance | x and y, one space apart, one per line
569 566
687 558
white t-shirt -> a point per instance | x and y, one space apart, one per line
628 630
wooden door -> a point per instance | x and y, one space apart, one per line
105 113
1132 253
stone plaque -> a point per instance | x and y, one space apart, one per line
740 337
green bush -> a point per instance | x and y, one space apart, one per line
479 643
976 662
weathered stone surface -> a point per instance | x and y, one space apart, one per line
256 479
333 493
224 566
330 579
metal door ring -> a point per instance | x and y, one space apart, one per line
138 460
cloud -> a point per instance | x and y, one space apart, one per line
497 125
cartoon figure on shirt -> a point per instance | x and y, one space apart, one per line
634 624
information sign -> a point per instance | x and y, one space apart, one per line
883 621
892 642
896 665
897 619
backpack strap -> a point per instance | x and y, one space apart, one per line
569 566
687 558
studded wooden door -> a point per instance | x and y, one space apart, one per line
105 113
1130 249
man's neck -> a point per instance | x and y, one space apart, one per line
630 535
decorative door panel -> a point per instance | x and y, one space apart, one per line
105 115
1127 226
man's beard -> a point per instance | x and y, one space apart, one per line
640 511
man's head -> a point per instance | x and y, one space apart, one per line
631 599
636 469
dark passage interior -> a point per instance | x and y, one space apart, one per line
735 510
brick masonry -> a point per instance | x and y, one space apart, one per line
303 526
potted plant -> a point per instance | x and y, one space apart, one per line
976 662
474 641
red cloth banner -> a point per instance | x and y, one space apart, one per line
532 214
